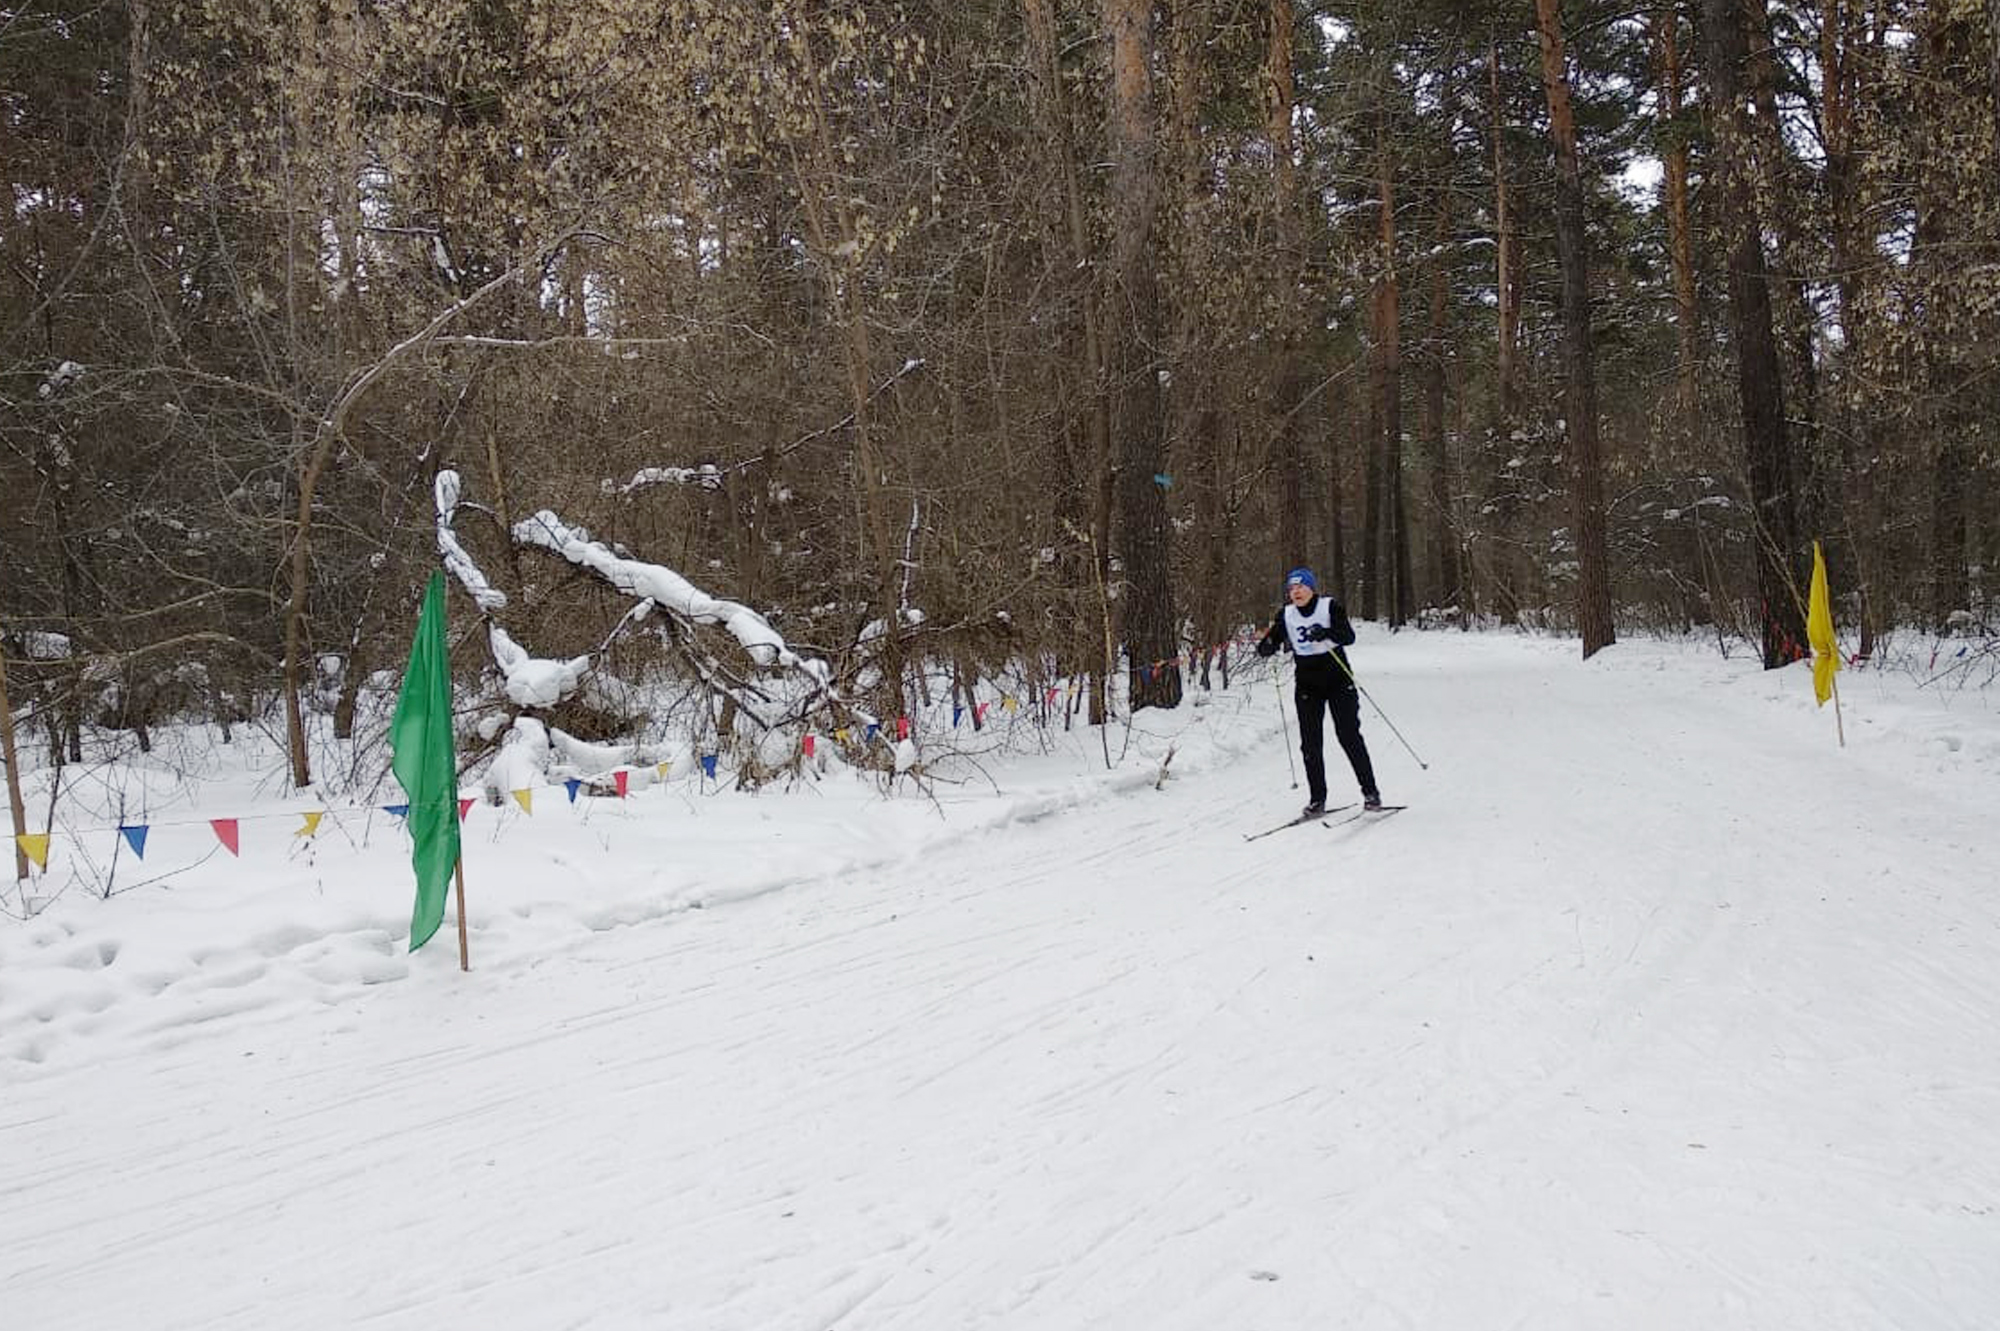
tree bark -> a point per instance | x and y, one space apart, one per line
1382 529
1444 536
1993 68
1792 308
1151 626
1680 233
1851 247
1586 472
1289 457
1506 295
1760 384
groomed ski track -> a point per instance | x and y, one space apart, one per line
1656 1011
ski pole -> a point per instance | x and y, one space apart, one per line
1279 689
1378 710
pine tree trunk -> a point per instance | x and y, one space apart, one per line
1760 385
1847 557
1505 292
1680 233
1586 473
1790 282
1444 536
1382 534
1287 379
1147 590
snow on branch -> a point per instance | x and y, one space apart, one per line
534 681
707 476
657 583
488 597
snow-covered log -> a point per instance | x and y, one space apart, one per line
657 583
488 597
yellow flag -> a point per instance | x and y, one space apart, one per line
312 823
663 770
37 846
526 799
1819 631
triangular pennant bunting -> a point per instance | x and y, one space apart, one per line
135 837
663 770
36 846
572 786
526 799
396 810
465 807
311 824
225 832
623 780
708 765
807 744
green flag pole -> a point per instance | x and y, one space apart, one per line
458 874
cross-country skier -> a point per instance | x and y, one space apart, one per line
1314 629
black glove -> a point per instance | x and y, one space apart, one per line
1317 633
1267 646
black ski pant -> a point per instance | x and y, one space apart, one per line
1316 692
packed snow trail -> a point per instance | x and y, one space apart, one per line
1655 1011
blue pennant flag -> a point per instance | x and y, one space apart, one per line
396 810
136 836
872 729
572 786
956 712
708 764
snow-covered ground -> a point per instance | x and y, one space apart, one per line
1656 1010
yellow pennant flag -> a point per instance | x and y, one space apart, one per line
36 844
526 799
312 823
841 734
1819 631
663 770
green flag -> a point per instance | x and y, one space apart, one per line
420 738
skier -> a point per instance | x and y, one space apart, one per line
1314 629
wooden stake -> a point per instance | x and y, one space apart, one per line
1839 726
15 805
458 872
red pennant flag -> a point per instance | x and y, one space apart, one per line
225 832
623 778
902 727
1053 690
809 746
465 807
979 712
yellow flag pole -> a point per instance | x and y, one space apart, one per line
458 872
1839 726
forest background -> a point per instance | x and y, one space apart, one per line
954 339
